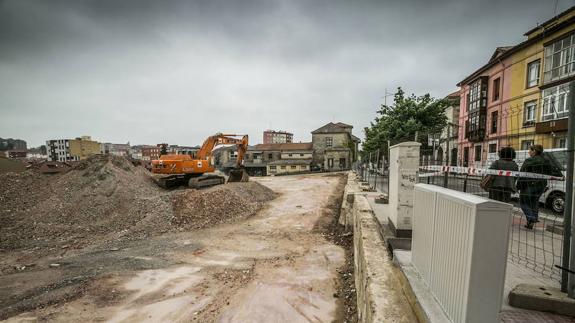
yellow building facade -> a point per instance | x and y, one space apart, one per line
531 115
84 147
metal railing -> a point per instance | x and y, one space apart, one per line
376 177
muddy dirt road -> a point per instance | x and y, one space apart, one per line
277 266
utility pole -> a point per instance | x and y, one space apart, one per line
568 278
447 155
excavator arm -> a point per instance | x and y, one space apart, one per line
205 151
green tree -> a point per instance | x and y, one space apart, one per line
401 121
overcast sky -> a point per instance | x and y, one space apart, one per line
177 71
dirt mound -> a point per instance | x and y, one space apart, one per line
220 204
106 198
100 195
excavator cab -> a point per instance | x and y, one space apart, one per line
238 175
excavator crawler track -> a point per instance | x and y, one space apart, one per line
206 181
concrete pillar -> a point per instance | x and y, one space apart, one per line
403 167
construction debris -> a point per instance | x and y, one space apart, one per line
107 198
198 209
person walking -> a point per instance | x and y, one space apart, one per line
501 187
530 189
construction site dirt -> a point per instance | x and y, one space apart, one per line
103 243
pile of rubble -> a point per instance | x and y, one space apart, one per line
107 198
220 204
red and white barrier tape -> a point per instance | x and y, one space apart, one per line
438 170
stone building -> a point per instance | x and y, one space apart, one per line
334 146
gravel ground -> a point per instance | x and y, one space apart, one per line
282 264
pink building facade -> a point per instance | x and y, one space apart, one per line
484 109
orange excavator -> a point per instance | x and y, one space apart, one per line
195 172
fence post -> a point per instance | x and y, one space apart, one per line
403 168
465 183
568 279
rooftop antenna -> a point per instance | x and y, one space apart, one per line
386 95
555 10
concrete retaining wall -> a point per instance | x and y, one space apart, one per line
346 213
379 293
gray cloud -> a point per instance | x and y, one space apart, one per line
177 71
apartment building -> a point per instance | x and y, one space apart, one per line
65 150
277 137
519 97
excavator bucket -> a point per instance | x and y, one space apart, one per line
238 175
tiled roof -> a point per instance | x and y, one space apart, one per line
332 128
291 162
283 147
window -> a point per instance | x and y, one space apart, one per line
496 86
559 59
492 148
283 167
289 155
301 155
478 153
293 167
304 167
555 103
273 167
270 156
533 73
494 117
477 94
525 144
529 113
330 162
560 142
328 141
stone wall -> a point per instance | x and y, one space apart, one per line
379 293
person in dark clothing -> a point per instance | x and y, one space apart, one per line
502 187
530 189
